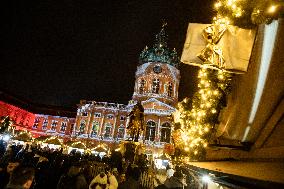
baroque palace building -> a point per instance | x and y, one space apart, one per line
156 87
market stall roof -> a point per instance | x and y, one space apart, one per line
23 136
79 145
100 149
41 138
53 140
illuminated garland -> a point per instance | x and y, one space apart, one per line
5 124
199 116
24 136
53 140
78 144
101 146
248 13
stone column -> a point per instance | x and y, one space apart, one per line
158 129
126 122
102 124
87 123
58 127
49 122
39 127
114 125
77 122
90 125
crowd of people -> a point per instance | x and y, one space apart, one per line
30 166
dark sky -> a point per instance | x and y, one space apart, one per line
58 52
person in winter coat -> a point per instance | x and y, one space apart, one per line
170 171
112 181
21 178
5 173
74 179
132 179
174 182
99 182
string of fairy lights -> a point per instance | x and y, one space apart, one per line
249 13
198 117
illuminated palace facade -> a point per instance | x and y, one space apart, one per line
53 122
156 87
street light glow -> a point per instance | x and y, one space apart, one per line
272 9
206 178
6 138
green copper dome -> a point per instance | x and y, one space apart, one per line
160 52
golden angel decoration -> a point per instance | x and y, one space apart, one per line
136 122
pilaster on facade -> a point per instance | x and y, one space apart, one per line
58 127
157 137
90 125
100 133
40 123
77 122
49 123
115 127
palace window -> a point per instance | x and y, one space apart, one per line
110 116
82 127
170 89
120 132
36 123
156 86
72 128
63 126
166 132
98 115
54 125
108 130
95 128
150 130
44 124
141 86
122 118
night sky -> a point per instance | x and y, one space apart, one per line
58 52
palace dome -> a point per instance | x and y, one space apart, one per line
160 52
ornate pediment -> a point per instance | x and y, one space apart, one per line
154 106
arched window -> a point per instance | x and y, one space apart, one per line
150 130
108 130
36 123
82 127
54 125
44 124
141 86
170 89
120 131
166 132
156 86
95 128
63 126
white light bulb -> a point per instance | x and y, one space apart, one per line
206 179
